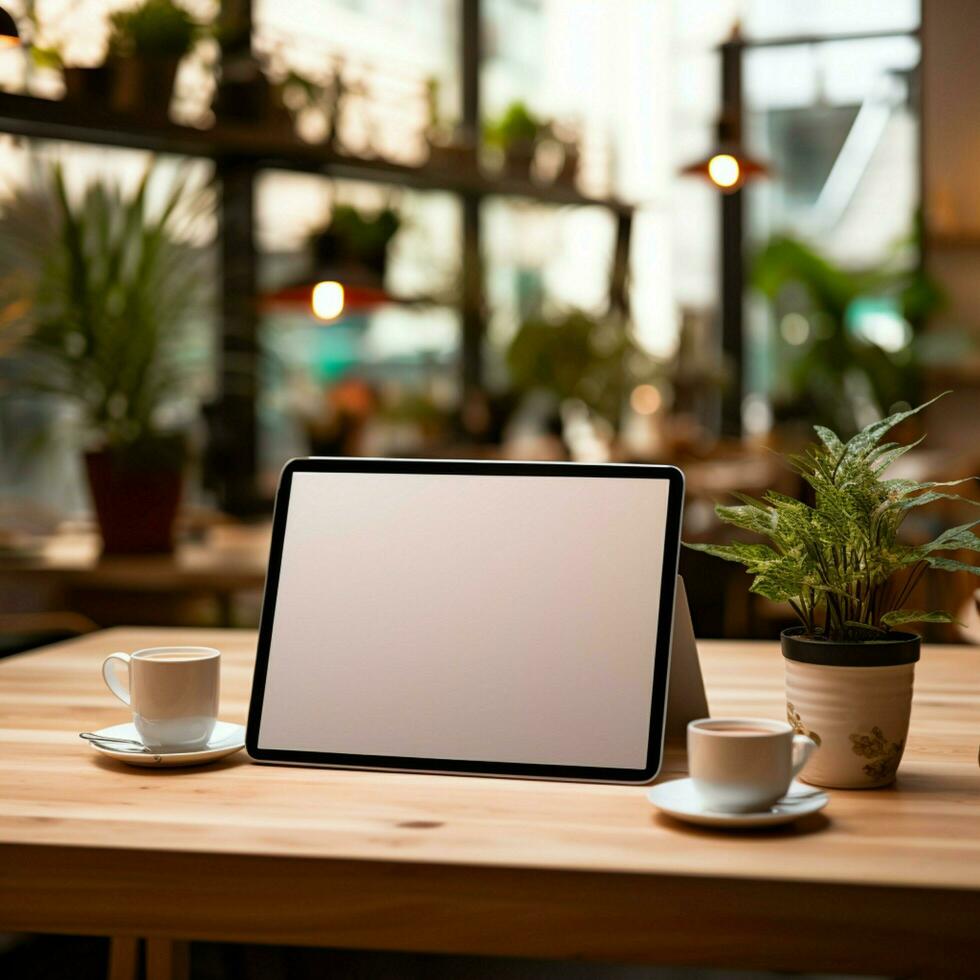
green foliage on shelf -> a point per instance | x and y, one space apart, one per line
358 237
100 293
840 563
835 367
578 357
46 57
367 234
154 29
516 126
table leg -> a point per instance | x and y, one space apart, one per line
123 958
167 959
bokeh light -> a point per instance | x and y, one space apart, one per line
645 399
724 170
327 300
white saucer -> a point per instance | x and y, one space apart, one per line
226 739
679 799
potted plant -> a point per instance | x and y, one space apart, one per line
247 93
571 155
577 357
516 134
146 44
843 567
451 145
355 243
85 84
311 103
107 293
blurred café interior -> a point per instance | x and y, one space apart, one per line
646 231
237 232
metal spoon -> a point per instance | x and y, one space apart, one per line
95 737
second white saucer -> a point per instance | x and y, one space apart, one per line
679 799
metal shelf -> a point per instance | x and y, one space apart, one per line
23 115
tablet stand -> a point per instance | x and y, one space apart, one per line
685 687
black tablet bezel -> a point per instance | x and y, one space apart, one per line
675 480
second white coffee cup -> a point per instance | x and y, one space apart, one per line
173 692
743 765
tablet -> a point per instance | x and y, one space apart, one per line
505 619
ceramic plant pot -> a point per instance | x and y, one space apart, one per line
519 159
143 86
854 701
568 175
88 86
135 505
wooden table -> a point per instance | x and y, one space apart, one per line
884 881
70 568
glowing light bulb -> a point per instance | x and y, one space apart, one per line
327 300
724 170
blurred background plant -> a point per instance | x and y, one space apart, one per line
514 126
579 357
356 239
99 292
146 45
515 134
155 28
851 340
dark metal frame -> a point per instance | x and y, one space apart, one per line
732 244
458 468
732 253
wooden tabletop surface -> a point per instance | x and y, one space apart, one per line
557 868
229 558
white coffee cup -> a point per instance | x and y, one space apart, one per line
173 692
743 765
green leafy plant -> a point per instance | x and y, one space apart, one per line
829 368
840 563
575 356
356 237
517 125
46 57
309 92
154 29
100 293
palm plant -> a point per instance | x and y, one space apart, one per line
840 563
100 294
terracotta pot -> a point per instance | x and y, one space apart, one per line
135 503
143 86
87 85
519 159
568 175
854 701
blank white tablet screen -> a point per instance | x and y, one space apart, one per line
467 617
